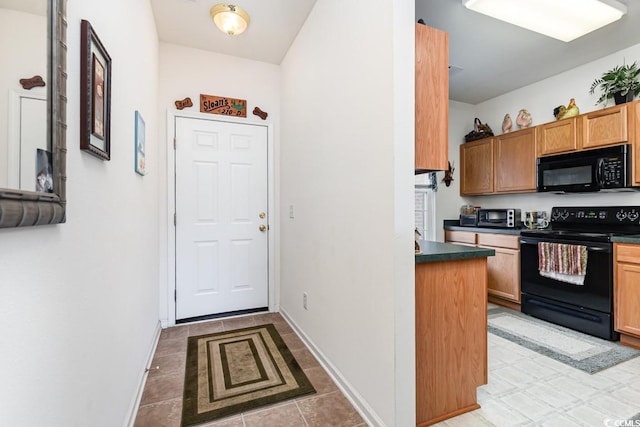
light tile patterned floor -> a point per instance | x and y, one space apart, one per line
528 389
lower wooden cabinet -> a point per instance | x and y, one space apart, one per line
627 293
451 337
503 269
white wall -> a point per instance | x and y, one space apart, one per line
19 60
539 99
187 72
344 247
80 300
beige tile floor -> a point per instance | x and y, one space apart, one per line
525 388
161 403
528 389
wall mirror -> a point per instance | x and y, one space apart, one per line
33 123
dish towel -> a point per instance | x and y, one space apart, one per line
562 262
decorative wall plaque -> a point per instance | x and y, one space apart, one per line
34 81
222 105
183 103
262 114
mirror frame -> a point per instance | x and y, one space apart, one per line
25 208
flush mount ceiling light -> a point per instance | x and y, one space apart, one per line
230 19
564 20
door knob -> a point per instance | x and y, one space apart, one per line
262 227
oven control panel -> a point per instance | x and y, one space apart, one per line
624 215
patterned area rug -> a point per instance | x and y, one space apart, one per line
584 352
232 372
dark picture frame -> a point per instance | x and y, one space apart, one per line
95 94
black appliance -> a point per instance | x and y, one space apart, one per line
589 170
501 218
588 307
469 220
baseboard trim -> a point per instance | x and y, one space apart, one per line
142 378
358 402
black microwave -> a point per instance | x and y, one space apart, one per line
589 170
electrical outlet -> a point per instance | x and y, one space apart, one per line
291 212
304 300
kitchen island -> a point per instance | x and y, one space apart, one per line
451 329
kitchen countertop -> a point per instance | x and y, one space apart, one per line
634 239
454 224
437 251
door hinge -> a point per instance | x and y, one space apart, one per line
174 143
175 220
175 295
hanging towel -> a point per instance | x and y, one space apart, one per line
562 262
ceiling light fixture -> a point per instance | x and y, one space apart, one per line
564 20
230 19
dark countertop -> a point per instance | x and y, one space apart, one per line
454 224
635 239
437 251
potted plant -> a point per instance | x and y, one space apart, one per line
620 83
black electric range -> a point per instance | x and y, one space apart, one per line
587 306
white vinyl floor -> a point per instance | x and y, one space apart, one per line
528 389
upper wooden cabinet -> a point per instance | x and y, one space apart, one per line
476 167
604 127
502 164
515 161
557 137
432 99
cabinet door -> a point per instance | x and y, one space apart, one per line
627 298
503 270
476 167
626 290
634 112
464 237
515 162
557 137
432 99
604 127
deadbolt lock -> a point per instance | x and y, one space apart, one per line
262 215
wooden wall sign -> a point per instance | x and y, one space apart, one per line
32 82
183 103
221 105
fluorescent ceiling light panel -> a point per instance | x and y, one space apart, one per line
564 20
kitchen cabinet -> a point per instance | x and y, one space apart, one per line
451 337
431 99
476 167
502 164
557 137
635 137
627 293
604 127
503 269
515 161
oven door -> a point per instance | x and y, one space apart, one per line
588 307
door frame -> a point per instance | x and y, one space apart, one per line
172 115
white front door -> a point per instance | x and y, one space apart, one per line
221 217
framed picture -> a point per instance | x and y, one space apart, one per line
139 145
95 94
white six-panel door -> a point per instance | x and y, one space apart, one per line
221 217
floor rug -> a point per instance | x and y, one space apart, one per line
581 351
232 372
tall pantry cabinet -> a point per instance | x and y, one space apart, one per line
431 99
